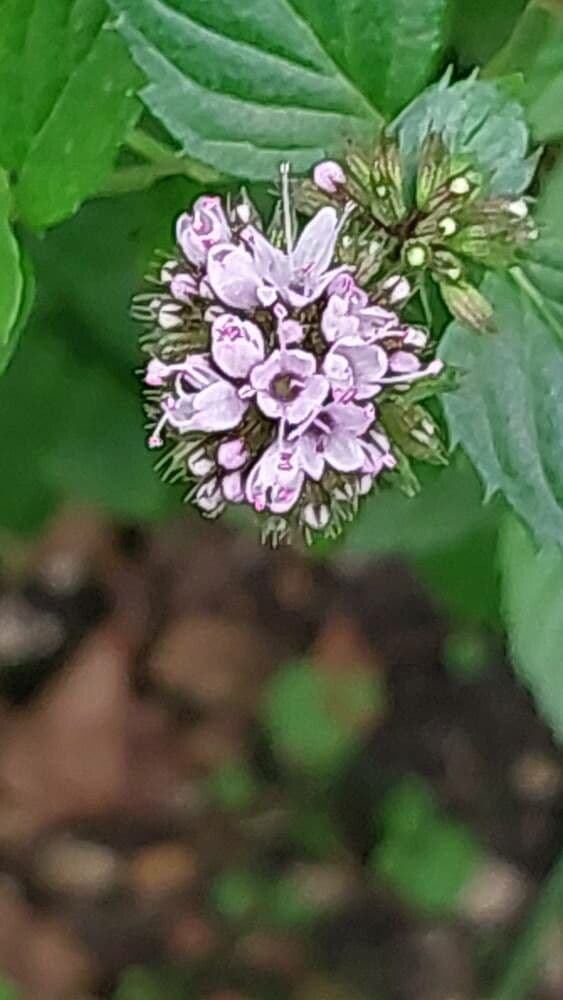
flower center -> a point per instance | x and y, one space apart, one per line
286 388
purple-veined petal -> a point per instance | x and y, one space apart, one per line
236 345
317 242
309 400
232 276
344 452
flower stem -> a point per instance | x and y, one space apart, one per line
519 975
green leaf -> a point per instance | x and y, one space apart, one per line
315 720
479 28
11 279
478 119
426 857
141 983
71 428
389 48
244 86
392 523
532 583
67 99
508 412
535 50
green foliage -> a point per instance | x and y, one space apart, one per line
67 100
233 786
237 893
12 284
536 51
425 856
507 413
242 87
478 119
141 983
532 588
315 720
388 48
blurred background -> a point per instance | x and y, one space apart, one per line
228 773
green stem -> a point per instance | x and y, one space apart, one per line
168 159
535 296
520 973
126 180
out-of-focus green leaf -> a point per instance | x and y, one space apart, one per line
11 278
67 99
244 86
536 51
233 786
508 412
73 429
478 119
141 983
238 892
480 28
314 720
390 523
426 857
533 609
389 48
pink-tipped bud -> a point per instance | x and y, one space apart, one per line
157 372
233 454
183 287
155 441
232 487
329 176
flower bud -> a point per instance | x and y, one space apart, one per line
316 516
468 305
170 316
398 289
329 176
209 498
232 454
205 227
232 487
199 463
183 287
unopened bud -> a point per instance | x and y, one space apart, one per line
199 463
169 316
416 255
329 176
519 208
468 305
398 289
316 516
460 186
448 226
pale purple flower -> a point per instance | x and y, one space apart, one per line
333 437
201 230
218 407
237 345
233 487
233 454
209 497
288 386
301 274
276 480
355 369
329 176
348 313
183 287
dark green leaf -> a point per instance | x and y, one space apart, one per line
11 279
389 48
392 523
478 119
535 50
508 412
244 86
532 588
67 99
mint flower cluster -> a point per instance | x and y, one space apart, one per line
271 364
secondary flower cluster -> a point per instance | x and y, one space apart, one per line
444 226
270 366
